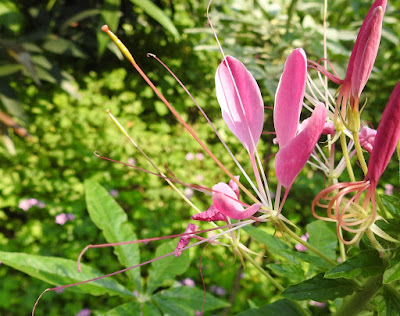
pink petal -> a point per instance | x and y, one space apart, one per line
210 215
289 96
233 185
368 44
291 158
245 122
225 200
185 239
386 138
350 67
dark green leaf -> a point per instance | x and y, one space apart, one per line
282 308
185 301
157 14
392 272
392 204
62 46
367 263
112 220
323 238
292 272
319 289
60 271
392 300
166 269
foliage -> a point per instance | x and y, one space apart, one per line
58 75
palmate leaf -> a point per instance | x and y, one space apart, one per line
157 14
60 271
111 219
185 301
319 289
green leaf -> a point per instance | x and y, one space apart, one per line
282 308
392 272
60 271
157 14
62 46
110 14
185 301
273 244
166 269
323 238
111 219
9 69
10 100
132 309
366 263
319 289
392 204
392 300
292 272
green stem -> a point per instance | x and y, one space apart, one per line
382 207
282 226
346 157
360 155
359 300
342 249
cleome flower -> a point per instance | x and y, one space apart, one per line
357 214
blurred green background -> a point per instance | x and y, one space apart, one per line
58 75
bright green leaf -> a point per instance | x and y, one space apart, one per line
319 289
157 14
323 238
111 219
392 204
60 271
166 269
392 272
367 263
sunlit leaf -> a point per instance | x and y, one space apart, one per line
112 220
60 271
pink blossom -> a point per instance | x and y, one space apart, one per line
62 218
367 138
184 240
388 189
299 247
114 193
188 282
26 204
294 149
241 103
188 192
84 312
199 156
189 156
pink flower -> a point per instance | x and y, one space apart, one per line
188 192
28 203
62 218
367 138
84 312
386 138
294 149
185 239
363 55
388 189
299 247
199 156
241 103
189 156
188 282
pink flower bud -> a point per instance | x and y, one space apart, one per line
386 139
